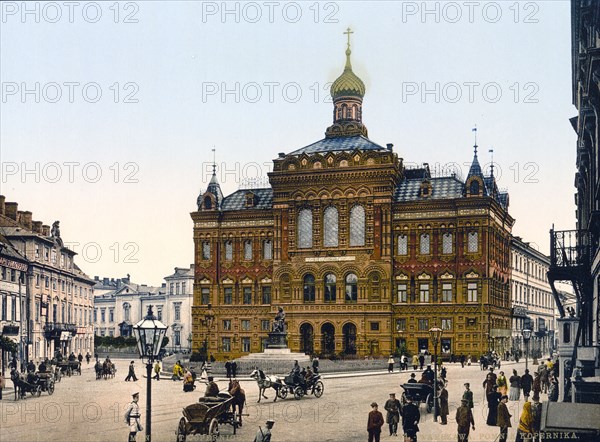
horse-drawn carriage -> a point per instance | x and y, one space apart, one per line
418 393
298 386
69 367
33 383
104 370
206 416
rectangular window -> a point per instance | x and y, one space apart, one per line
177 311
226 324
424 244
111 315
265 325
248 250
228 251
205 294
247 295
53 257
37 310
446 324
177 337
424 293
183 288
37 251
102 314
400 324
374 326
447 243
37 280
176 288
228 295
446 292
402 293
402 245
46 253
159 313
266 295
13 275
246 345
95 315
472 292
245 324
226 342
267 249
111 333
13 309
423 324
205 250
472 242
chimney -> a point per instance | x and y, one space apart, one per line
37 227
2 199
26 220
281 155
96 278
45 230
10 210
105 281
390 146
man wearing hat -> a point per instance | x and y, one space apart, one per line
468 395
212 389
410 419
412 379
374 423
264 435
132 417
464 420
392 406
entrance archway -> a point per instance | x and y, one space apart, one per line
349 332
328 340
307 335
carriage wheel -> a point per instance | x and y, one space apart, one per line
213 427
50 387
38 391
181 433
282 392
298 393
318 389
429 402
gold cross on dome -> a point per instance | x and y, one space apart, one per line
348 32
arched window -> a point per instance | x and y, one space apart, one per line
351 287
330 287
248 250
207 202
357 226
330 227
305 229
447 243
402 245
472 242
228 251
267 249
474 187
309 288
424 245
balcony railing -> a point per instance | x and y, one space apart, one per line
570 248
54 329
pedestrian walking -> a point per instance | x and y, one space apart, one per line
234 369
391 364
462 361
503 420
410 420
88 356
374 423
502 383
315 365
493 400
464 420
469 359
544 379
515 386
132 417
156 371
489 384
443 405
526 429
526 384
131 374
421 361
553 390
468 395
228 369
264 435
392 406
537 383
415 361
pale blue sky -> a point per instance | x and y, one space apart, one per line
177 53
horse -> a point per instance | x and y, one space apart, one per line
99 370
265 382
239 397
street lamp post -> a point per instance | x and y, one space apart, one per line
526 336
149 333
435 333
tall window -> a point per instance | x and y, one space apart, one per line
472 292
227 295
226 343
265 325
247 295
226 324
305 229
205 294
228 251
176 288
447 243
424 244
267 249
309 288
402 245
102 314
245 324
400 324
402 293
177 311
183 288
266 294
248 250
424 293
205 250
330 227
446 292
127 312
357 226
177 337
351 287
159 313
423 324
446 324
472 242
245 344
330 287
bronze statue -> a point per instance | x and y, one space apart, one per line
279 323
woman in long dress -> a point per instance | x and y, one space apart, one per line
502 384
515 387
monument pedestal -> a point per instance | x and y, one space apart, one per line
277 340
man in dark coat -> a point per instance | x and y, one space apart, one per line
428 374
315 365
526 384
464 420
493 399
392 406
131 373
443 404
410 419
503 420
462 361
468 395
421 361
412 379
374 423
234 369
228 369
537 383
212 389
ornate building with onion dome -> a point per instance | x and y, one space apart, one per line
364 254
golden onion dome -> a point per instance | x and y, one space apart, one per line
347 84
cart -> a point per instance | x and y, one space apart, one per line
206 416
419 393
299 387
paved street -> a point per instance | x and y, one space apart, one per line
83 409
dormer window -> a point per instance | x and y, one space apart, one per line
249 199
207 203
425 190
474 188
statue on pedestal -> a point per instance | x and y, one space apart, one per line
279 322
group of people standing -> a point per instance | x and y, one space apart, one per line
409 413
